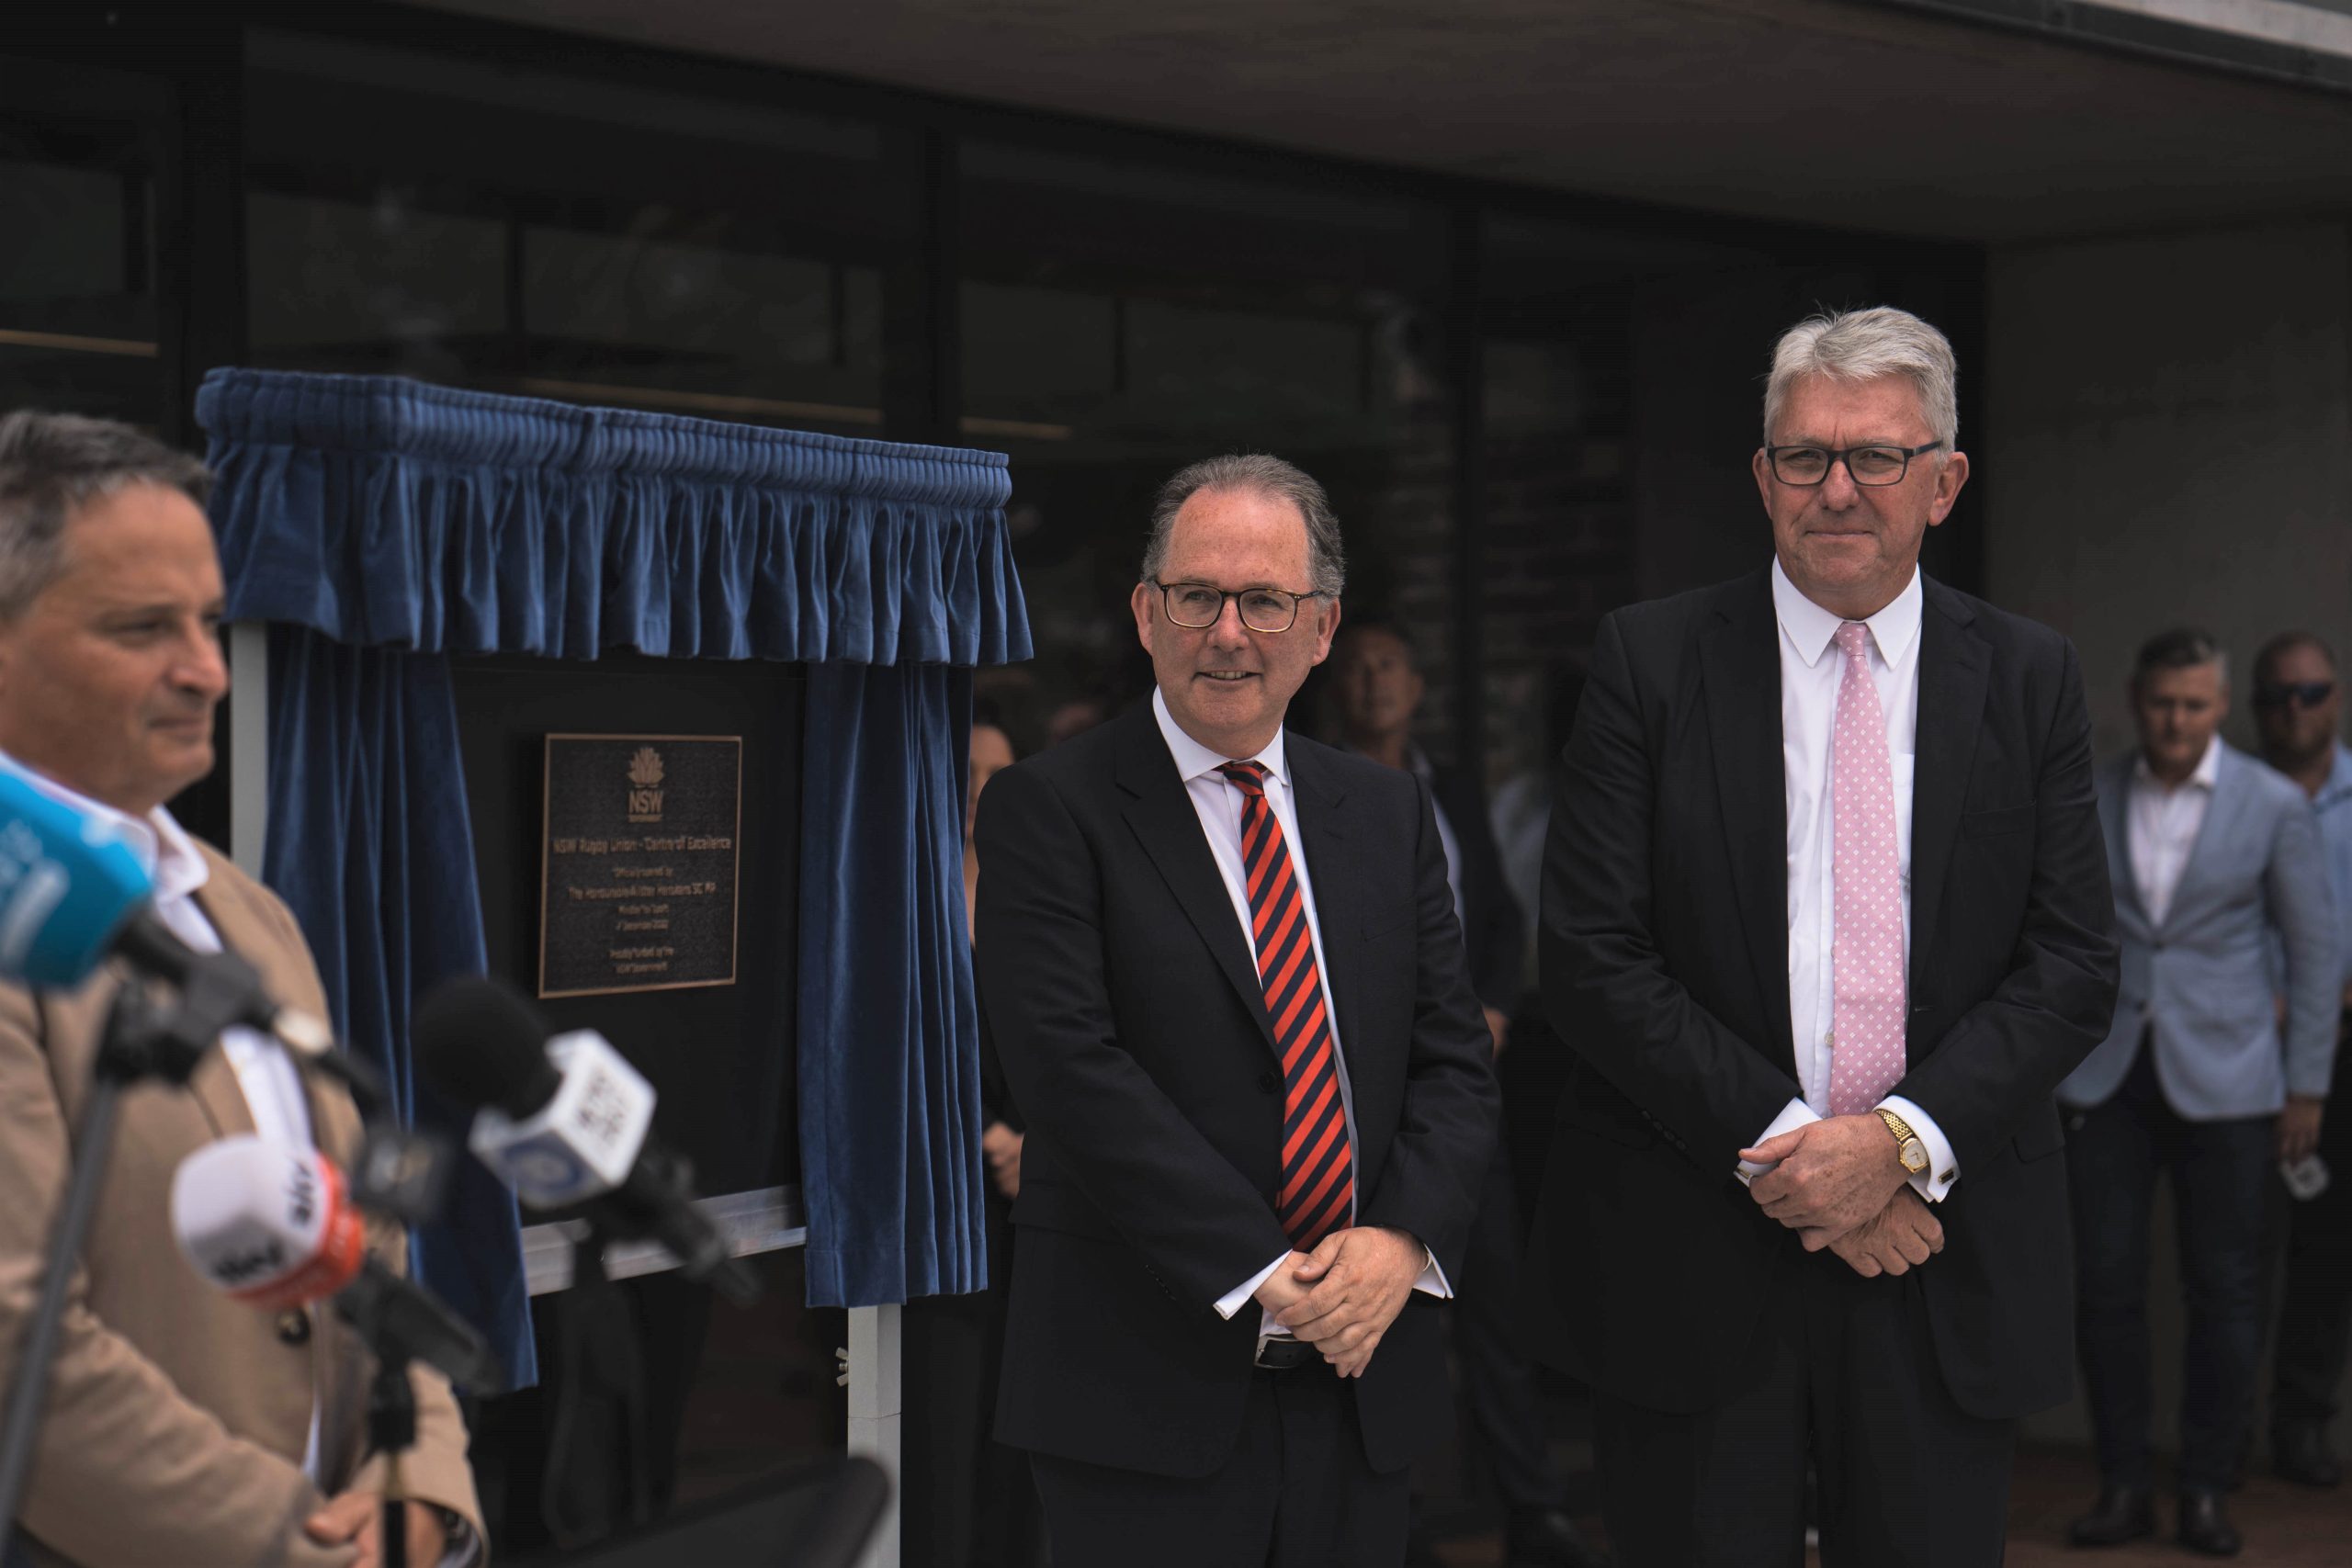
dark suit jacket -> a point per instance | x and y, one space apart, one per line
1128 1012
1665 957
1493 926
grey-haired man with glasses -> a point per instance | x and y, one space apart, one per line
1825 913
1221 967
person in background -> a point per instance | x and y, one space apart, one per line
2298 710
971 1500
182 1426
1377 685
2208 851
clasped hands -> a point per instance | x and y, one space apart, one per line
1341 1297
1839 1183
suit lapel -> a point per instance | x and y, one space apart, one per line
1161 814
1953 667
1740 669
334 1120
1332 858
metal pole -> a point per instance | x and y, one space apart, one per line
875 1405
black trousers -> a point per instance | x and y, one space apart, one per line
967 1500
1844 1376
2219 1172
1296 1492
1505 1429
2315 1295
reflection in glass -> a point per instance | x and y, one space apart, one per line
77 304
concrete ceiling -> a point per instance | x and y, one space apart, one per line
1832 111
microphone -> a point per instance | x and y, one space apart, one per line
73 893
566 1121
275 1228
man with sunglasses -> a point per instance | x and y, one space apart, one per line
2297 712
1222 970
1825 912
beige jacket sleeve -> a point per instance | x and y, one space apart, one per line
127 1471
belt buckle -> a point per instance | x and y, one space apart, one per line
1281 1364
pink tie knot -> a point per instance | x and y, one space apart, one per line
1854 636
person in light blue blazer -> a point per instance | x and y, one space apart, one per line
2209 852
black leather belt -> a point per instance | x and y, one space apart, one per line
1281 1355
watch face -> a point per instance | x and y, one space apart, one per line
1915 1156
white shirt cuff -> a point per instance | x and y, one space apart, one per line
1234 1299
1432 1280
1943 1166
1795 1114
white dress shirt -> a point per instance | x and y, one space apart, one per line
1809 681
1217 804
265 1076
2162 827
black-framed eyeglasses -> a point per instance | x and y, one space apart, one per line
1198 606
2302 694
1864 465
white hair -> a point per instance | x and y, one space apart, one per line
1862 345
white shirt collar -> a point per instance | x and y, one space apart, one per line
1192 758
2208 769
1811 629
163 846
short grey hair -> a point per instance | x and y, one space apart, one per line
1862 345
1327 562
53 464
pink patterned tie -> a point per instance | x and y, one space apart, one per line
1866 1057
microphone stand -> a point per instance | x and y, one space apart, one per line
140 1042
392 1431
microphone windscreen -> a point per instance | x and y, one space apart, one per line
479 1043
269 1224
67 882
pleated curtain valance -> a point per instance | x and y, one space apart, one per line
382 527
385 512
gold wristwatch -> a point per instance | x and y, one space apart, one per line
1909 1148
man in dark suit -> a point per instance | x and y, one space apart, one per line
1377 687
1221 969
1826 911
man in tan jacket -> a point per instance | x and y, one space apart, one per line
182 1426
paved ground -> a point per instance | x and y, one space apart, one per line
2286 1527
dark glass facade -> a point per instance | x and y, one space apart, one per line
1528 407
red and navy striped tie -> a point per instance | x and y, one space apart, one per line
1318 1184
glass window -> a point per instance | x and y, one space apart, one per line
77 300
429 217
1119 321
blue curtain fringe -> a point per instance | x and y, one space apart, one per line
384 512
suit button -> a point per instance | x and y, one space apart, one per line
294 1326
1268 1083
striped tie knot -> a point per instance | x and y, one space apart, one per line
1250 778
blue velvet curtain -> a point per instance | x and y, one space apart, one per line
375 857
400 524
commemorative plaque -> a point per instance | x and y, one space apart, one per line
639 851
